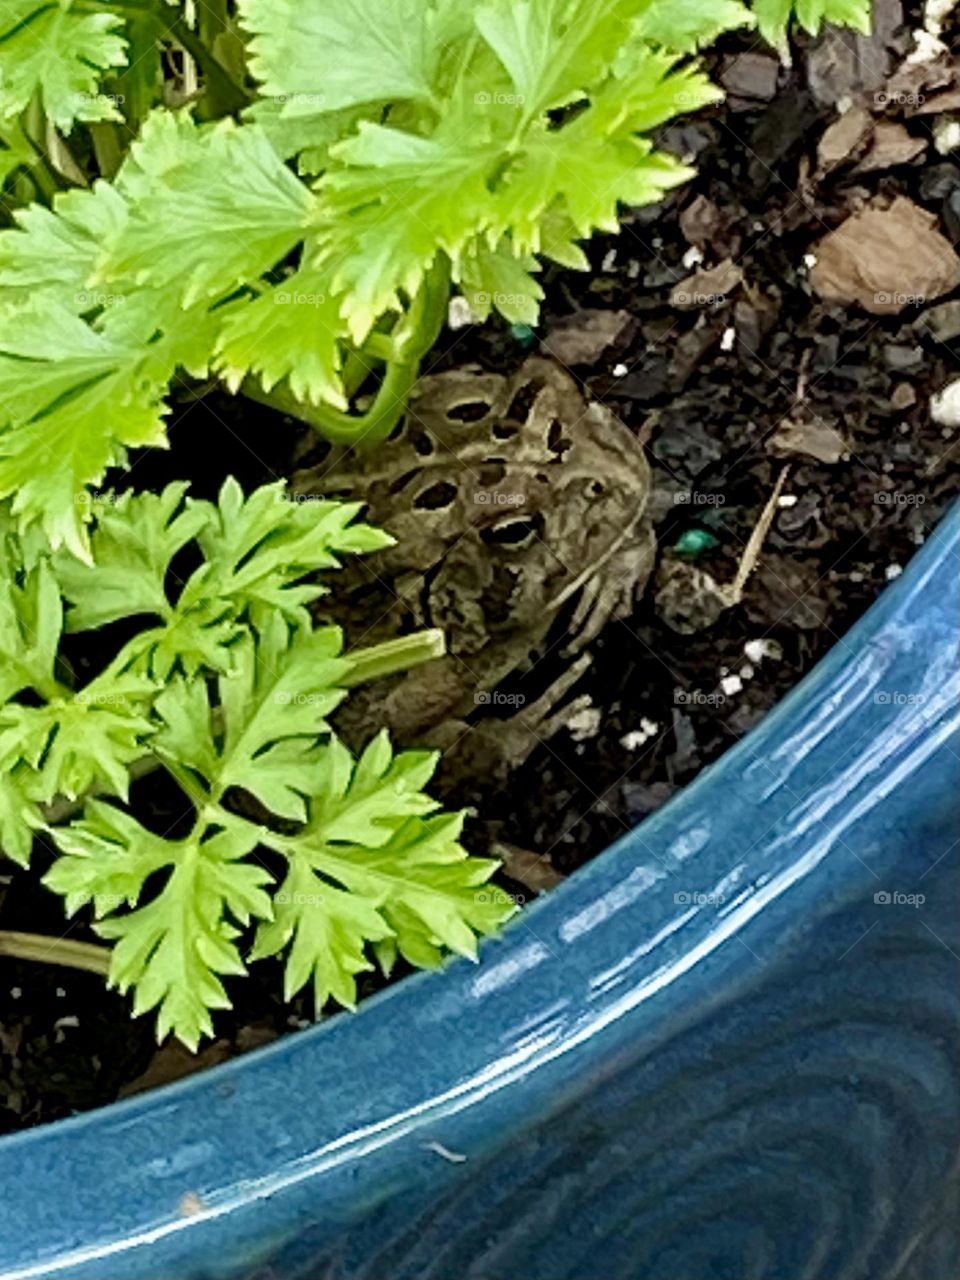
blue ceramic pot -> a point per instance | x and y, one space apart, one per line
725 1050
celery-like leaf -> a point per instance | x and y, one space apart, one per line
206 176
685 25
59 53
774 16
372 51
71 403
292 331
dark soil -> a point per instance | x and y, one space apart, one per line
713 406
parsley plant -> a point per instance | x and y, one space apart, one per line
227 685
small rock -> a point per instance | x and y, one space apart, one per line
945 405
951 215
533 870
784 591
946 135
459 313
938 181
892 572
892 145
757 650
731 685
641 799
935 14
842 64
751 77
816 439
708 288
864 260
701 221
635 739
904 396
942 321
845 137
585 723
583 337
903 359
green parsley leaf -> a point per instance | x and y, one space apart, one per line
174 949
371 868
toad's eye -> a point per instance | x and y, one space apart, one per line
594 489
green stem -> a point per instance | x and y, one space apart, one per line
346 428
187 783
413 337
394 656
51 688
212 20
106 147
35 161
46 950
224 95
